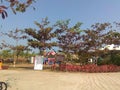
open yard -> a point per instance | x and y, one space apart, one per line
29 79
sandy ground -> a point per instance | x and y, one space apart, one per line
48 80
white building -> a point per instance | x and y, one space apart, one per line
111 47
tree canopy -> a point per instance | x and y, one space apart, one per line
71 40
15 5
42 37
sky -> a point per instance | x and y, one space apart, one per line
86 11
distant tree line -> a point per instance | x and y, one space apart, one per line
71 40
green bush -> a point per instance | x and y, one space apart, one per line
115 60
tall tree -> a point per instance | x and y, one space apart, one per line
99 35
42 37
113 34
68 37
16 36
94 36
92 40
113 37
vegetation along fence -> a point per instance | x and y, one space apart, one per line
89 68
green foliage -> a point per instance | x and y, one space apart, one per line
93 37
15 5
71 40
42 37
6 54
109 57
68 38
115 58
16 49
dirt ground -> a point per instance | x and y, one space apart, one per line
29 79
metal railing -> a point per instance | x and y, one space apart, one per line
3 86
